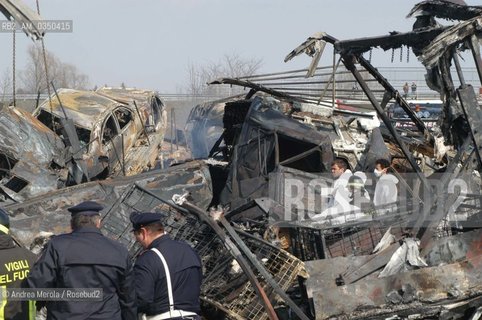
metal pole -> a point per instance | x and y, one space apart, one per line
332 77
474 45
262 269
172 147
460 74
333 83
123 155
175 128
142 124
348 61
60 102
233 249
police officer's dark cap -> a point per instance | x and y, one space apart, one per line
142 219
86 208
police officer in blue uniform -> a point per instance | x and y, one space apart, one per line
85 258
167 273
15 263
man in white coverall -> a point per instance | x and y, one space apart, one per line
386 193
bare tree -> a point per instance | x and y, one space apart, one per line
64 75
6 83
231 65
68 76
195 80
237 66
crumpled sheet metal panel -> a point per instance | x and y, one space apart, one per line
203 128
126 95
23 136
423 287
48 213
430 285
141 156
444 41
40 180
452 249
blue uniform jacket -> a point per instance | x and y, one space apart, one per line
150 279
86 259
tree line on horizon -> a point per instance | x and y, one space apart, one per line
32 79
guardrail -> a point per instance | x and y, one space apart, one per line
6 98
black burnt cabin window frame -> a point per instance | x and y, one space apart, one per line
300 155
6 165
124 117
264 161
112 125
156 113
84 137
51 121
56 126
16 184
288 152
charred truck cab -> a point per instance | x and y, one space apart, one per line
107 130
78 136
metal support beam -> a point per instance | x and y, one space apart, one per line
79 170
427 227
475 48
473 114
262 270
394 93
348 60
412 39
232 249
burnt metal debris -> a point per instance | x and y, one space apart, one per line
269 253
77 136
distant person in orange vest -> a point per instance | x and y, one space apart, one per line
405 90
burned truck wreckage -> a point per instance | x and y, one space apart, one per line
253 202
78 136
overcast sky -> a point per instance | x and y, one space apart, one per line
149 43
